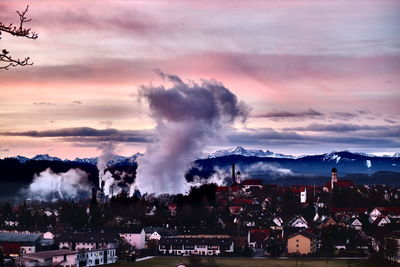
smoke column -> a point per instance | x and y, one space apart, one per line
188 117
102 164
63 185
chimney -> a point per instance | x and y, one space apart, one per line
94 194
233 174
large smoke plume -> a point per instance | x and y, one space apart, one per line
106 179
188 117
64 185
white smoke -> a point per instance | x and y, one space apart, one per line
108 153
218 177
188 117
64 185
261 167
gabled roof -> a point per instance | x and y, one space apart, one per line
50 254
353 220
21 238
89 237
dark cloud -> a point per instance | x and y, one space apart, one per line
338 127
87 134
284 115
209 101
364 112
77 102
343 115
390 121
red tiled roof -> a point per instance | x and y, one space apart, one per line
252 182
259 234
222 189
243 201
235 209
297 188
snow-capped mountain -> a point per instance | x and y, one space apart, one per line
45 157
116 160
240 151
21 159
87 160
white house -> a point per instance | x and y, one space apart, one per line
135 238
299 221
356 224
278 221
88 241
375 213
96 257
48 235
382 221
155 236
196 246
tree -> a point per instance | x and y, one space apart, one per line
6 60
390 248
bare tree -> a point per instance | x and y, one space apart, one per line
6 60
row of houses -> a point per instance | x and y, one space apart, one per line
69 258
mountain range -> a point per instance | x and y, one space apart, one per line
362 168
238 151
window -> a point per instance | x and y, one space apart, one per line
297 240
297 245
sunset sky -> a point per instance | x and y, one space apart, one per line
318 75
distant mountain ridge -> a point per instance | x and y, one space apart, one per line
240 151
237 151
46 157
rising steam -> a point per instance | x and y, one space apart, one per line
271 168
188 117
106 179
64 185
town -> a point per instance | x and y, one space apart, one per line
247 218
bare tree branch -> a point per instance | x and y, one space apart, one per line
11 62
19 31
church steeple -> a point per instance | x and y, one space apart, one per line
333 178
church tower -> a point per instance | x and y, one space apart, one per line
333 178
238 178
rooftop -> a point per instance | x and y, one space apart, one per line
18 237
50 254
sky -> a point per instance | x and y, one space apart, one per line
318 75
